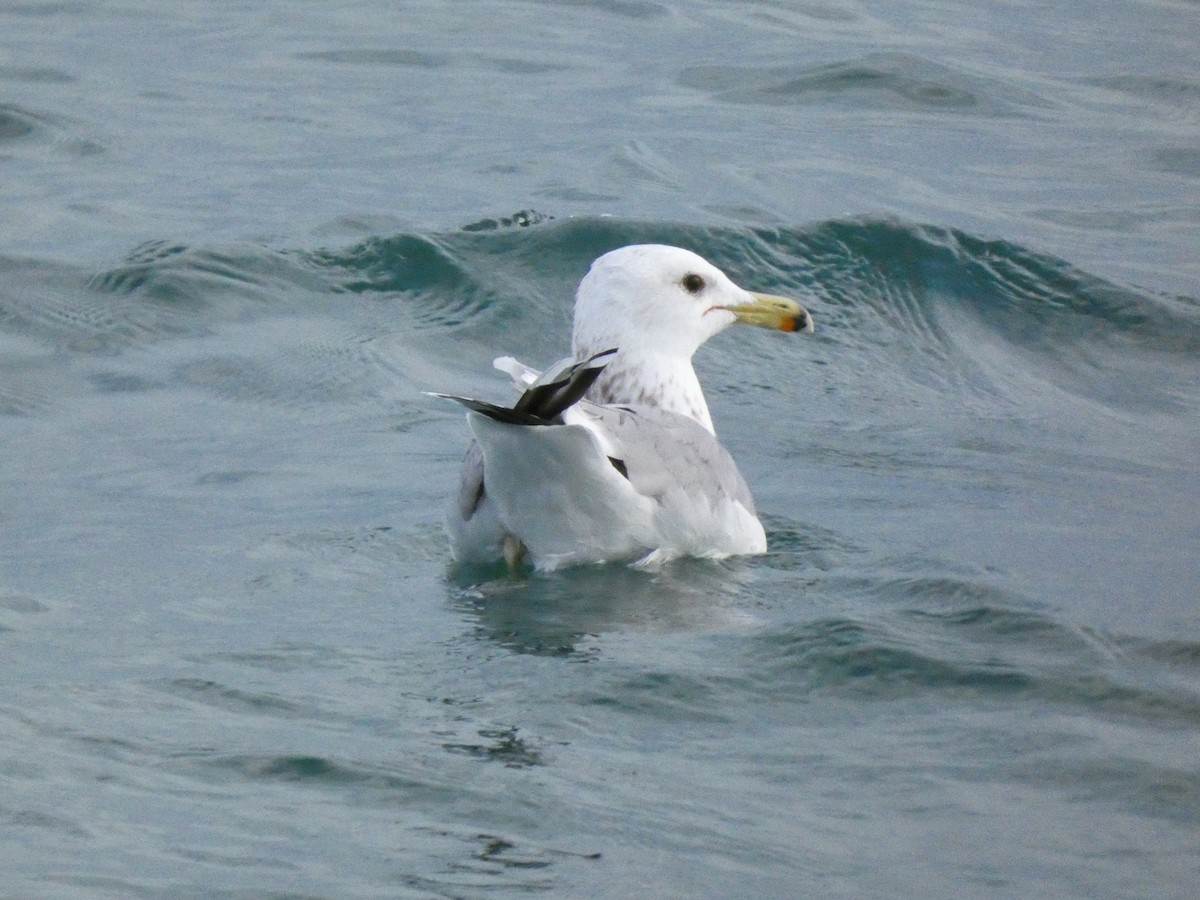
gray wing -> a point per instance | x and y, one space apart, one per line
475 531
470 484
660 450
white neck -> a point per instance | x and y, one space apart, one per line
666 382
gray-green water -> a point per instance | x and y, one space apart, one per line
237 242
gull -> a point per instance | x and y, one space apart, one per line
610 455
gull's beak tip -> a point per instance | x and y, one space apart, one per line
802 321
769 311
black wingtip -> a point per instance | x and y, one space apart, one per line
491 410
544 402
549 400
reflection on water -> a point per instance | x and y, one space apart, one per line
562 613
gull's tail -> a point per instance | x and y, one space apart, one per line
558 389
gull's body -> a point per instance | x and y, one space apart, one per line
633 471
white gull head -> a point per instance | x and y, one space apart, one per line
656 305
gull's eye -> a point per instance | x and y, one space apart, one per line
693 283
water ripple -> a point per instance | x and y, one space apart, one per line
437 290
890 81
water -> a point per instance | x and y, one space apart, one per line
237 242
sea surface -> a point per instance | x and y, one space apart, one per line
239 240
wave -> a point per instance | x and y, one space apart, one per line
897 81
23 129
993 320
903 310
955 636
899 271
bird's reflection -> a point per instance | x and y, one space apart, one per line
562 613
